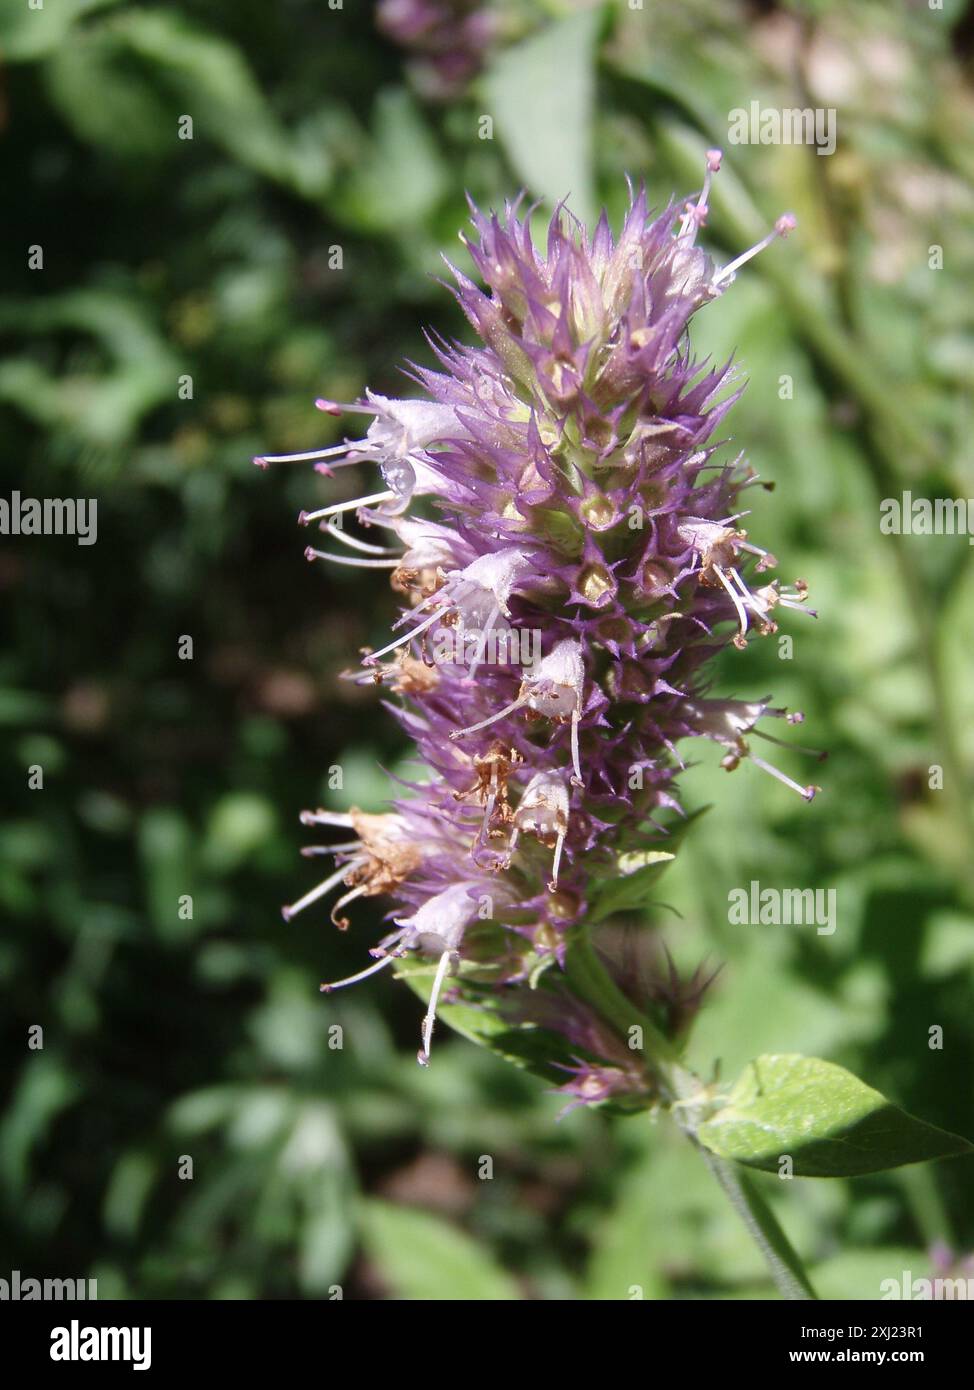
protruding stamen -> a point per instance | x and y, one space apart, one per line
489 803
443 965
576 760
319 817
482 645
544 811
798 604
807 793
342 922
315 893
556 862
310 456
696 214
311 554
306 518
354 543
362 974
491 719
735 599
819 754
766 561
342 408
786 223
373 657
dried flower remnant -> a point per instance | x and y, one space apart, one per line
571 462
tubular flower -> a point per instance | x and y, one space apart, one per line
559 480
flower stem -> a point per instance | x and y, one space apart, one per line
592 982
685 1094
782 1260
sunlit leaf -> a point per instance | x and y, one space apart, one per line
829 1123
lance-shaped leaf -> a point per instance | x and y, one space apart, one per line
423 1257
829 1123
546 124
629 880
637 873
536 1050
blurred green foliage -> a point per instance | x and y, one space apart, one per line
213 257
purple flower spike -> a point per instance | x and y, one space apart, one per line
570 555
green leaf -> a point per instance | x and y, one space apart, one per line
44 1088
525 1045
637 874
106 407
542 97
423 1257
830 1124
106 97
210 79
238 825
26 33
633 875
861 1274
404 178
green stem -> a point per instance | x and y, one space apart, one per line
684 1092
591 981
782 1260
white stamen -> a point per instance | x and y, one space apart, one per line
306 518
491 719
353 542
482 644
319 892
556 862
342 408
694 217
362 974
312 554
817 753
807 793
785 224
423 1056
576 761
735 599
799 606
262 460
543 811
373 657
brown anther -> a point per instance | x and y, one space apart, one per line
416 584
414 677
492 770
390 857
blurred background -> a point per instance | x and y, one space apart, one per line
289 248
